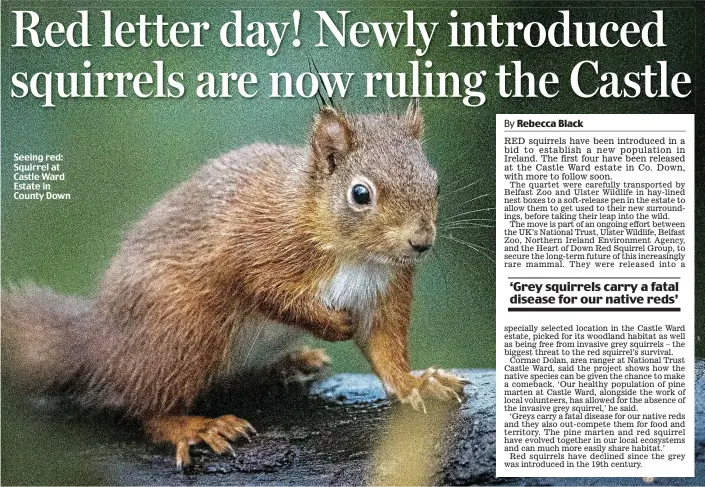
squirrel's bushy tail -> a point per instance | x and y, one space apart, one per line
43 337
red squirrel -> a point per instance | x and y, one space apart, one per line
225 272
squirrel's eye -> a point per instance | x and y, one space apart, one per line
361 194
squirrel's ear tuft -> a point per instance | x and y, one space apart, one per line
331 138
414 119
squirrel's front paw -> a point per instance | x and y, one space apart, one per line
435 384
442 385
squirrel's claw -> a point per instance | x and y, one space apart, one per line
243 433
216 442
231 427
224 429
443 385
414 399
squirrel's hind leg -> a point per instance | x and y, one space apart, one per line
184 431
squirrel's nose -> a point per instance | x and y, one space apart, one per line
422 239
420 247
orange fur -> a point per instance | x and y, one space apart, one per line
252 242
386 348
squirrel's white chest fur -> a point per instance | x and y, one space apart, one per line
356 288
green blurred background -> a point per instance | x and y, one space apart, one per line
120 155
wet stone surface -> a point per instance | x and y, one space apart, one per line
329 435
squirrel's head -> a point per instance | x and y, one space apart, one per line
375 184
